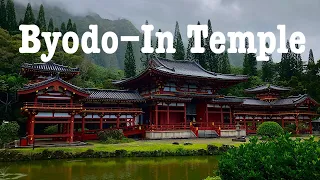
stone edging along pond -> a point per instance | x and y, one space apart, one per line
47 154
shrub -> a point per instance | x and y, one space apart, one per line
280 158
110 133
8 132
269 129
51 129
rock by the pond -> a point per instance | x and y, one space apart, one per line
187 143
175 143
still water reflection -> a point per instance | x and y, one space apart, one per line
168 168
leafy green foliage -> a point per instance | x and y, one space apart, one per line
281 158
8 132
178 44
3 14
41 21
110 133
129 62
51 129
112 136
29 16
269 129
11 16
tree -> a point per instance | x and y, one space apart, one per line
29 17
268 72
178 44
74 28
211 57
129 62
11 16
200 57
56 29
63 28
190 56
51 26
69 25
162 55
3 15
249 62
287 65
311 58
225 67
41 22
144 58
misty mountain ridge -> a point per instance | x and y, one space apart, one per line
122 27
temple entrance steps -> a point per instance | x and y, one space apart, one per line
170 134
207 134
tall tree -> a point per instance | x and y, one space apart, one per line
11 16
311 58
41 21
249 62
200 57
63 28
144 58
129 62
190 56
69 25
29 17
3 15
178 44
268 72
162 55
287 64
50 25
211 57
74 28
225 67
298 63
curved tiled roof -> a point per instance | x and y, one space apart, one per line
184 68
190 68
50 80
49 67
114 95
267 88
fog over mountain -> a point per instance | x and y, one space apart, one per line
226 15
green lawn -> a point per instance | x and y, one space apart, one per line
146 145
142 145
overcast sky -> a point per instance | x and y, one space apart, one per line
225 15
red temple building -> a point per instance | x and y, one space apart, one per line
170 99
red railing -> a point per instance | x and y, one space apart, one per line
167 127
112 109
52 105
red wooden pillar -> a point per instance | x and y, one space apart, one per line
297 123
245 123
207 115
71 127
150 116
310 126
101 121
31 127
221 116
185 115
230 116
118 121
156 115
168 114
133 120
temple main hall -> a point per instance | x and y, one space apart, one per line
169 99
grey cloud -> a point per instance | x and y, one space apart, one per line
225 15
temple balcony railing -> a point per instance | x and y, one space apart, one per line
112 110
276 113
51 106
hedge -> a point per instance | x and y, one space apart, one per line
14 155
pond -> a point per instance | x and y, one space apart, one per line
164 168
